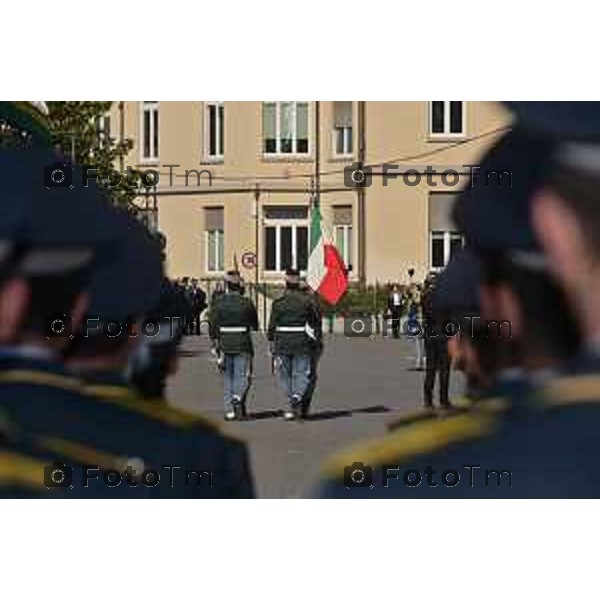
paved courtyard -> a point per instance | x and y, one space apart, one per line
363 383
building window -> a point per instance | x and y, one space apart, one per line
150 132
447 118
103 131
443 246
215 239
286 238
342 128
285 127
148 209
342 225
214 128
443 237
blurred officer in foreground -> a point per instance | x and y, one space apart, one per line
155 359
437 360
123 293
566 217
58 258
525 310
527 443
294 331
43 290
233 318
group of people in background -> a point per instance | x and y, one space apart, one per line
191 304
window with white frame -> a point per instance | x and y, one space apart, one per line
342 128
285 238
214 128
342 226
150 133
444 240
442 247
285 128
103 131
446 118
214 232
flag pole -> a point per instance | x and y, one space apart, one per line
317 177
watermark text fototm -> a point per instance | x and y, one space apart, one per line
61 325
360 475
133 474
362 326
59 175
361 175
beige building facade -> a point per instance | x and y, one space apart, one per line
238 179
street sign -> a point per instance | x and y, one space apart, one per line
249 260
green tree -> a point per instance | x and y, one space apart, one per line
77 131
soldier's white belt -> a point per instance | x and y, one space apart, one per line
306 328
233 329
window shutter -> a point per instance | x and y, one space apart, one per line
214 219
440 212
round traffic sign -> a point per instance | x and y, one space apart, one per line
249 260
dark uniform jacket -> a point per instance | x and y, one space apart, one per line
295 325
541 444
51 467
233 318
192 457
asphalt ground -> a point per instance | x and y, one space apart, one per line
363 384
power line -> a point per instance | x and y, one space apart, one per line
406 158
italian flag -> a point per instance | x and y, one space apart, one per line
327 273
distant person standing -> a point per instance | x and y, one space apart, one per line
437 360
415 324
395 309
294 329
233 319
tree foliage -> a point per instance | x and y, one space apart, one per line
77 131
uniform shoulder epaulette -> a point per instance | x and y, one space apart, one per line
53 380
80 453
159 411
423 437
572 389
21 470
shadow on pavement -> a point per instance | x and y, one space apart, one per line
322 415
190 353
265 414
334 414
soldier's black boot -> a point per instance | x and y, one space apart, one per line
238 408
304 408
293 412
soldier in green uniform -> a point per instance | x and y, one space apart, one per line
233 318
316 348
294 331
